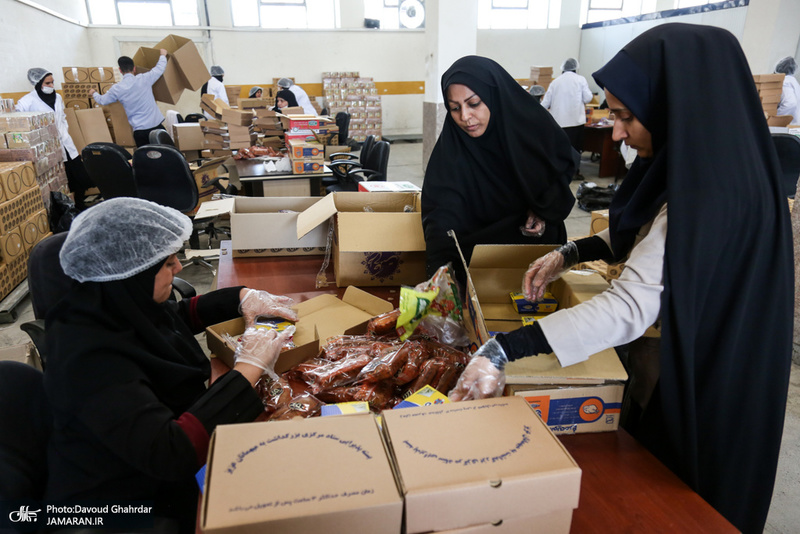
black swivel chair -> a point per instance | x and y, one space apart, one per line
194 117
109 168
160 137
341 162
343 123
162 175
373 170
788 147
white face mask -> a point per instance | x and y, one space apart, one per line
47 90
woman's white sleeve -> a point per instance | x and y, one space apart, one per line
620 314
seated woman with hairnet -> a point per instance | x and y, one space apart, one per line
126 378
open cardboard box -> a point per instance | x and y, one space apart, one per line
184 54
378 238
325 474
22 353
558 393
249 217
169 87
469 464
319 318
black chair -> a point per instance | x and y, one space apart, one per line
341 162
179 118
373 170
788 147
194 117
109 168
162 175
343 123
160 137
25 427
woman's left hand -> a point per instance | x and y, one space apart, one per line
256 303
534 226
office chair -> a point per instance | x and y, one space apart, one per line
343 123
162 176
194 117
373 170
788 147
341 162
109 168
161 137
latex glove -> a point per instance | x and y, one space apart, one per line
534 226
484 376
547 269
257 303
261 347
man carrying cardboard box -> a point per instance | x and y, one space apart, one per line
136 95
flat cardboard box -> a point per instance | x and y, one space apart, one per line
768 78
75 74
186 57
117 120
330 150
169 87
302 166
295 123
93 125
255 103
204 172
303 150
378 237
376 187
318 319
350 488
237 117
101 74
475 462
74 129
23 353
188 136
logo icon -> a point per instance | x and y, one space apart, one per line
24 514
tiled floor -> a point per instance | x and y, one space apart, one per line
405 164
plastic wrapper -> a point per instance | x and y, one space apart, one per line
300 407
338 373
384 324
379 395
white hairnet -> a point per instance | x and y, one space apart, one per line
122 237
216 70
285 83
37 74
786 66
254 90
536 90
570 64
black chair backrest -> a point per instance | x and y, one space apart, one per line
179 118
194 117
343 123
788 147
378 160
162 175
160 137
366 146
108 167
46 280
25 425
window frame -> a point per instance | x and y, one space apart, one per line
200 13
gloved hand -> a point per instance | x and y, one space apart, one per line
548 268
534 226
261 347
257 303
484 376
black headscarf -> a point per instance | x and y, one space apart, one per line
288 96
727 305
483 187
50 99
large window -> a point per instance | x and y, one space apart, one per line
396 14
144 12
600 10
518 14
291 14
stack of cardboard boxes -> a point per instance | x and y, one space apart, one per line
542 76
79 80
306 137
229 130
347 91
268 126
770 87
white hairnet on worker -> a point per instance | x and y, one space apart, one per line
122 237
37 74
570 64
254 90
536 90
216 70
786 66
285 83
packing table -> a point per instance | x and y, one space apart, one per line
257 182
624 488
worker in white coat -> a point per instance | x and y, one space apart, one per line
566 98
790 96
44 98
215 87
301 96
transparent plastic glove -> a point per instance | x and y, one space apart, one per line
548 268
261 347
534 226
484 376
257 303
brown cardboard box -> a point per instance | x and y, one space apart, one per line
768 78
779 120
29 230
303 150
237 117
558 521
188 136
10 180
254 103
11 246
72 91
42 222
303 166
78 103
186 57
74 129
93 126
233 92
476 462
599 221
296 123
119 127
75 74
27 174
169 87
214 106
203 173
335 149
104 87
249 489
13 212
23 353
101 74
383 246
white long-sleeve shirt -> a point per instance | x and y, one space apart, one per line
303 100
136 95
566 98
32 102
623 312
790 99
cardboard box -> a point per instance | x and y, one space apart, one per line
23 353
188 136
203 173
768 78
330 150
94 128
456 474
27 174
318 319
237 117
169 87
29 230
303 150
75 74
599 221
295 123
378 237
74 129
255 103
184 54
301 166
10 180
352 487
11 246
376 187
118 125
101 74
233 92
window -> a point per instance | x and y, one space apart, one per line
144 12
518 14
600 10
289 14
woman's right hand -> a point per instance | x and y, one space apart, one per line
259 350
540 273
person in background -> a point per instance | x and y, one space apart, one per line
537 91
44 98
491 177
214 86
566 98
699 259
790 97
255 92
135 92
285 99
300 95
126 378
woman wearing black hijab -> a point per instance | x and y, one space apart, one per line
718 272
287 98
126 378
501 168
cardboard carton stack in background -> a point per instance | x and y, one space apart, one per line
78 81
233 92
770 87
347 91
229 130
306 137
542 76
269 128
33 137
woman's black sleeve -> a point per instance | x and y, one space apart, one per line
593 248
212 308
525 341
230 399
